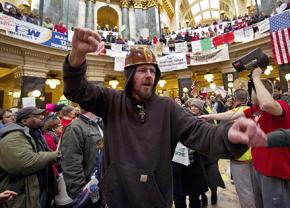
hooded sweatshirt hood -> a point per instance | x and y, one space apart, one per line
129 76
135 57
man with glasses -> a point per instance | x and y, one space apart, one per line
25 162
141 128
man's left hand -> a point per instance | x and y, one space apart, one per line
246 131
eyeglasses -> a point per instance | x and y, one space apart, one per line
145 70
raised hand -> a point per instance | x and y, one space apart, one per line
84 41
246 131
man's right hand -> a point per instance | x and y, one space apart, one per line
84 41
205 117
7 195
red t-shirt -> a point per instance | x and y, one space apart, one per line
273 162
60 29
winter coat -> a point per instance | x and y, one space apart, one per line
140 139
78 149
19 164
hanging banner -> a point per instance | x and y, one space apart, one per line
172 62
212 56
119 63
206 44
58 40
30 32
7 23
229 38
196 46
264 26
218 40
181 47
249 34
116 47
239 35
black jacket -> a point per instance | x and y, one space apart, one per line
137 156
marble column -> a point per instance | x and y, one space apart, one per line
267 5
31 83
90 14
65 10
125 19
153 19
283 70
139 21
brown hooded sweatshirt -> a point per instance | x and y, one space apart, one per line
138 151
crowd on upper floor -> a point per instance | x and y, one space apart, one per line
188 34
33 17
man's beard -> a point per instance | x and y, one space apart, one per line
144 94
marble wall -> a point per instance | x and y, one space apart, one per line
132 24
139 21
267 5
82 14
153 22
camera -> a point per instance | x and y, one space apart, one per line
255 58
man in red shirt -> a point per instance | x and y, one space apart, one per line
272 166
60 27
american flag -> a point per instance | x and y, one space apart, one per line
101 49
280 37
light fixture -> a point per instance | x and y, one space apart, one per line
270 68
185 90
16 94
52 83
287 77
230 85
114 83
162 83
212 85
209 77
10 93
35 93
267 72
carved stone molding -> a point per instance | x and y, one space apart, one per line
137 4
34 74
152 3
93 1
124 3
145 4
9 49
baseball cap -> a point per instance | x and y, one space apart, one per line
25 112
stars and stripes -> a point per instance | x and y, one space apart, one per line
280 37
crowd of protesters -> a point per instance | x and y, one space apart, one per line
188 34
44 129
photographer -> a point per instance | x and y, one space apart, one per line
272 170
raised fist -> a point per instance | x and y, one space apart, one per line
84 41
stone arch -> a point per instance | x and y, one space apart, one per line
107 15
